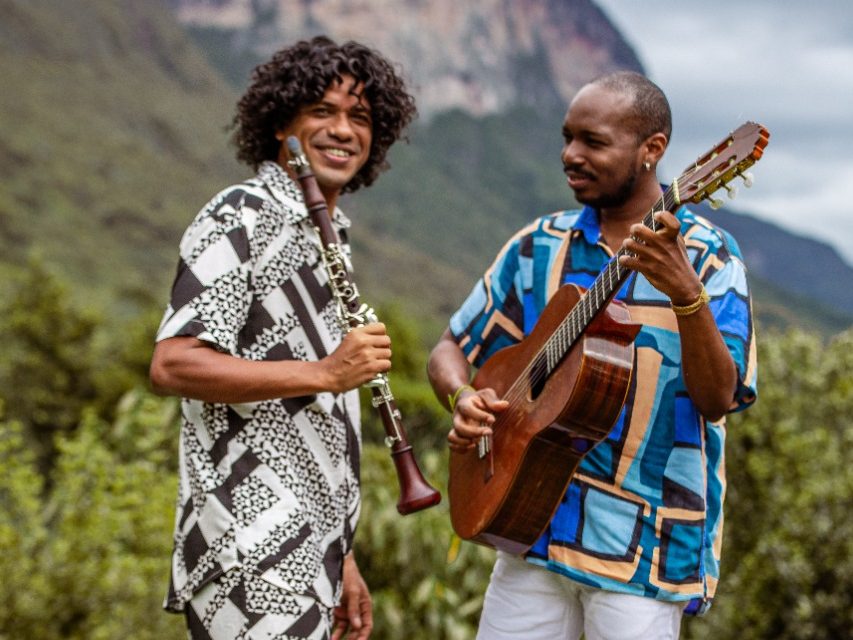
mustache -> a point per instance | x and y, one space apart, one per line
568 168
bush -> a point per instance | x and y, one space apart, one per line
787 563
89 559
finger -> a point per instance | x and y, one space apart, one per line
458 443
640 233
465 434
383 364
488 402
366 617
496 405
354 613
669 224
472 413
629 261
375 328
340 624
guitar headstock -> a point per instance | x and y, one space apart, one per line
727 160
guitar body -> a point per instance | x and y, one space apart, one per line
506 497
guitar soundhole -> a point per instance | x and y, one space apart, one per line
538 377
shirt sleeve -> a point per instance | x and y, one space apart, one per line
731 306
211 295
492 316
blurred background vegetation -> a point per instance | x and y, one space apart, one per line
113 136
88 459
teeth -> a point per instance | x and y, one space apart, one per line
338 152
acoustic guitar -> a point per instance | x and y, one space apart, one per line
567 381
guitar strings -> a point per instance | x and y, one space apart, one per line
565 336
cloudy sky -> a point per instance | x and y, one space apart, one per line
786 64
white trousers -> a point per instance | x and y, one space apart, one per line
529 602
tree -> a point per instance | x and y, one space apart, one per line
426 583
787 568
88 559
45 375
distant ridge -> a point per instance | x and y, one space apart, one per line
114 137
480 56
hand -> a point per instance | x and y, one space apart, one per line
474 414
354 616
363 353
661 257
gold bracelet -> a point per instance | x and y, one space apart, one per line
453 398
693 307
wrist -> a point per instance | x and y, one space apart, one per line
322 375
693 305
453 398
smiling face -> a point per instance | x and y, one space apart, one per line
601 155
335 134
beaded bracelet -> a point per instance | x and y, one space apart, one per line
454 398
693 307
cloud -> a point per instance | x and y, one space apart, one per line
786 64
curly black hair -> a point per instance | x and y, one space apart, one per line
300 75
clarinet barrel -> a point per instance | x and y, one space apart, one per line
415 492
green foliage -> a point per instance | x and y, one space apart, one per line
112 140
22 533
91 540
89 558
61 358
787 569
425 583
46 374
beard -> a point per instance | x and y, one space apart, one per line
616 197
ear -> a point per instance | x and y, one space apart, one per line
654 147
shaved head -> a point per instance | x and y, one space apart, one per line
650 112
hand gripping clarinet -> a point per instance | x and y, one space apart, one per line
415 492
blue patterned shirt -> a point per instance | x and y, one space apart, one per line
643 512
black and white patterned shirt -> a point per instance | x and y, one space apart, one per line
271 486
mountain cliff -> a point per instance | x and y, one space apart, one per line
482 56
114 136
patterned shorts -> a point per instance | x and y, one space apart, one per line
241 606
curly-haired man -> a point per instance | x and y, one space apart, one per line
268 497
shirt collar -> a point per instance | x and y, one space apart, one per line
588 223
287 191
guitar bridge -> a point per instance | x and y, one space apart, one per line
484 449
484 446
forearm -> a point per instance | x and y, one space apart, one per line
448 369
707 366
188 368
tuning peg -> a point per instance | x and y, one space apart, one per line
715 203
732 191
748 179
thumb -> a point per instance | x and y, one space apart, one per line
493 403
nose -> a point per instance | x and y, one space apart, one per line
569 153
341 127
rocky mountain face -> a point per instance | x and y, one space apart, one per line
480 56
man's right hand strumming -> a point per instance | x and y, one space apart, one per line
473 416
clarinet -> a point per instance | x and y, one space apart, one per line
415 492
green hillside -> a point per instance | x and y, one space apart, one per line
114 135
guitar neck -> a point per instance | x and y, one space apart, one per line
596 298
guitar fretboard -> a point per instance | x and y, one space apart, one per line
595 298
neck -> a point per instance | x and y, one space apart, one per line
331 200
635 206
615 222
